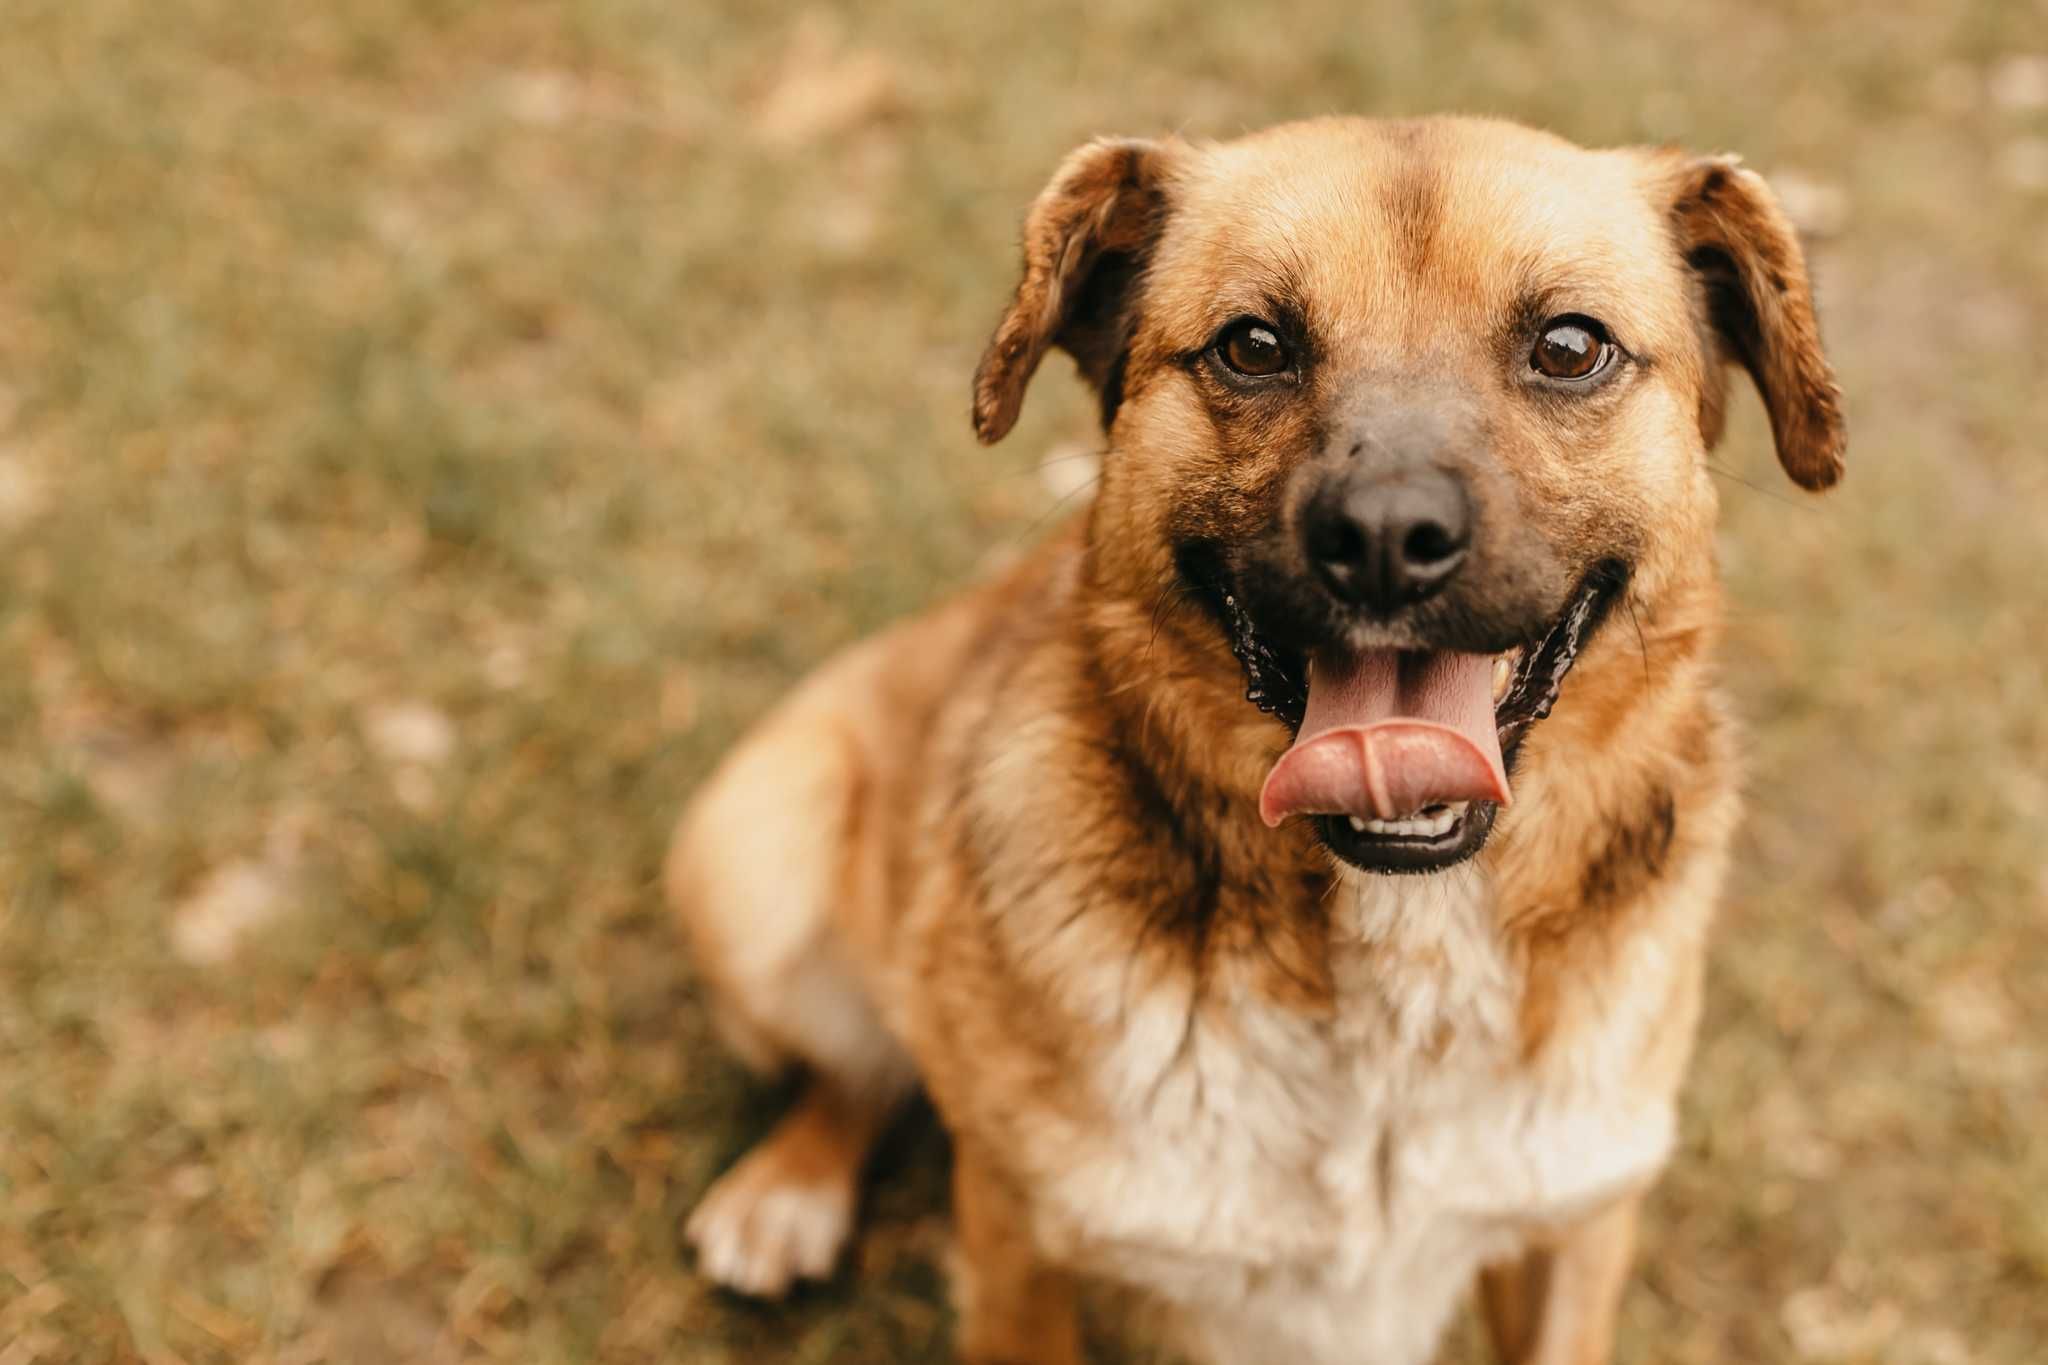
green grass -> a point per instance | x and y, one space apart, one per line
428 432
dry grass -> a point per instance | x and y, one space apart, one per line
429 431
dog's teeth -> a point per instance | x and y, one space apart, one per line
1503 674
1431 822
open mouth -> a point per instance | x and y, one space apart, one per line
1401 757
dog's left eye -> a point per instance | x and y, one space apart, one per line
1573 348
1253 349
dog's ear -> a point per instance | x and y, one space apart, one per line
1756 308
1086 240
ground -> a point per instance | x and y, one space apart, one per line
430 431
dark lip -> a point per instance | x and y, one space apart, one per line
1405 855
1272 686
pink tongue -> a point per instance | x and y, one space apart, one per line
1387 733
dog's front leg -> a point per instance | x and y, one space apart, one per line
1014 1309
1556 1305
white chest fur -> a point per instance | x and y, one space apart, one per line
1322 1191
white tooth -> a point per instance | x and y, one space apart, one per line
1429 823
1503 674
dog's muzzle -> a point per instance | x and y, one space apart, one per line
1402 757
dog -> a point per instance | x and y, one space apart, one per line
1291 881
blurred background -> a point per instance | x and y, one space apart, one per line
429 430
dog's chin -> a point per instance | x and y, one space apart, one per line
1442 834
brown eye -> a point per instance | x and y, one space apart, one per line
1252 348
1571 348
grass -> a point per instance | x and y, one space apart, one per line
428 432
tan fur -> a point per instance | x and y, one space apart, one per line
1011 848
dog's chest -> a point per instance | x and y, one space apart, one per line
1329 1188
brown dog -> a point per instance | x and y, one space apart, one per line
1407 430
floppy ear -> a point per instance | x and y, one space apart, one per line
1085 244
1758 310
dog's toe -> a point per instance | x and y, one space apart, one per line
759 1229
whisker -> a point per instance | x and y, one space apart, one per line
1039 523
1642 645
1773 494
1170 601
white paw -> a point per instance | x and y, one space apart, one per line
757 1230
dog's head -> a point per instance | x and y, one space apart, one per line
1407 405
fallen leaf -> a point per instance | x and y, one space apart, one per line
410 732
235 901
2019 84
1826 1323
824 88
1818 208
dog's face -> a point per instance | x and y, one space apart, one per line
1406 405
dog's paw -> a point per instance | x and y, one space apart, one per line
760 1227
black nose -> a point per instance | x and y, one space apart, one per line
1386 541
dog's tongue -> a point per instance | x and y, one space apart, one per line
1386 733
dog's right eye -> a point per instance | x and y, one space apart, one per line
1253 349
1572 348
